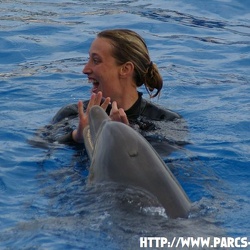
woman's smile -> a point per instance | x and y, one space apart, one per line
95 84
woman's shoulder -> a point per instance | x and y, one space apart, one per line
155 112
68 111
65 112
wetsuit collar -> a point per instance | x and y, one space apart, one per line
134 112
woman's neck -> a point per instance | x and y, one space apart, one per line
127 100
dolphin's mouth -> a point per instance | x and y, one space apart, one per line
88 141
97 117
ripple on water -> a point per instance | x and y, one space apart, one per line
202 50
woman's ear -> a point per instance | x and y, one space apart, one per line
127 69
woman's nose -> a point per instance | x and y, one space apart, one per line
86 69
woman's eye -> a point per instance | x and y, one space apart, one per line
96 61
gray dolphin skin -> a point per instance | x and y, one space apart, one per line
120 154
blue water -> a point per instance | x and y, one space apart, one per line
202 50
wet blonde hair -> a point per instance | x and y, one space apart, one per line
130 47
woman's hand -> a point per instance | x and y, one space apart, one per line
95 99
118 115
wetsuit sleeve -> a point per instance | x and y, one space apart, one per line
66 139
68 111
65 113
156 113
60 128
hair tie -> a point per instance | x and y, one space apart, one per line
150 65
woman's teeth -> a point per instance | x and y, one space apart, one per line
95 84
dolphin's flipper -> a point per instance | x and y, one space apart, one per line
118 153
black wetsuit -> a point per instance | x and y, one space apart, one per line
141 116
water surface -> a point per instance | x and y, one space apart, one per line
202 51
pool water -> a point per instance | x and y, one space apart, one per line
202 50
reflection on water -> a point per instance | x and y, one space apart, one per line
202 50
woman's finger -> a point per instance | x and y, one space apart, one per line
83 118
80 110
114 113
106 103
98 98
123 116
95 99
91 102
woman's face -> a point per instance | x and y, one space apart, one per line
102 69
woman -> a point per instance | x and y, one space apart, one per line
118 63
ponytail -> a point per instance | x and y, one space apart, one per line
153 80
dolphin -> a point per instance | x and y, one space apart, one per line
120 154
